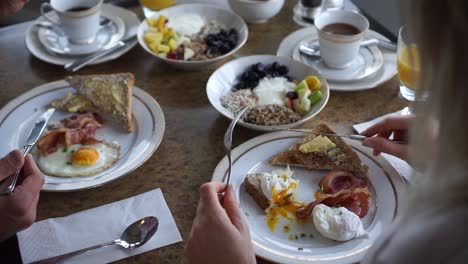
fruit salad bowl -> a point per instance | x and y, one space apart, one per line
237 75
170 39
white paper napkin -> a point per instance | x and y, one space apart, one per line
102 224
403 168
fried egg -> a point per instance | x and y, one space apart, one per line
79 160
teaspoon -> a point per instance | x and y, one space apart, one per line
134 236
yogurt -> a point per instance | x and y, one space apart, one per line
186 24
273 90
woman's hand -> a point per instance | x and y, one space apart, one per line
220 233
18 209
381 131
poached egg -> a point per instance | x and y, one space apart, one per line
337 223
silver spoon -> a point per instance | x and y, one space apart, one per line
134 236
228 140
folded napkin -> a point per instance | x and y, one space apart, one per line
102 224
403 168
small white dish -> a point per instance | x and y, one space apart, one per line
254 11
224 78
290 43
368 62
388 196
107 36
39 51
19 115
208 13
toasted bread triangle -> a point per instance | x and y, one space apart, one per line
346 159
110 93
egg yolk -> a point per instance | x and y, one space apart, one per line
85 157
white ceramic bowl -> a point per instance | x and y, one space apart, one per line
256 11
224 78
207 12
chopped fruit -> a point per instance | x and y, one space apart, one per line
161 22
188 53
290 103
164 48
150 37
151 22
154 47
172 33
292 95
302 85
172 55
314 83
172 44
303 93
315 97
302 105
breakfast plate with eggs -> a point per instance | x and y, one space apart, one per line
299 214
84 149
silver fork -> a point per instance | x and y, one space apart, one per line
228 141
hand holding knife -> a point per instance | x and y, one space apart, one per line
34 135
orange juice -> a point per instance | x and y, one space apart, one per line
409 66
157 4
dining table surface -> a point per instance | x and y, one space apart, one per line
193 141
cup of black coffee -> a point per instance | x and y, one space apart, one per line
79 19
340 35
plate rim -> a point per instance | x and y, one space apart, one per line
396 180
362 87
155 140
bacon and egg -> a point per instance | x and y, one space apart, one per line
70 149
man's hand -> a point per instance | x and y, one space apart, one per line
18 209
220 233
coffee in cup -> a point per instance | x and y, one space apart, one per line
79 19
340 35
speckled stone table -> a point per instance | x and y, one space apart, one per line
192 144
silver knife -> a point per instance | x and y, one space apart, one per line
36 132
80 63
355 137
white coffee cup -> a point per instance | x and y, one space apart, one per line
79 19
340 50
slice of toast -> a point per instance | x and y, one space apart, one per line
252 186
109 93
342 157
75 103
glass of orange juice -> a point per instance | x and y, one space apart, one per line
408 65
150 6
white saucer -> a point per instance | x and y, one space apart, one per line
39 51
107 36
366 64
289 44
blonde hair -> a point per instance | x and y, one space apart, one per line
440 133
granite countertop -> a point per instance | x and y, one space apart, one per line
192 144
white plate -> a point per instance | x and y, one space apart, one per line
387 188
224 78
208 13
18 117
39 51
287 46
368 61
106 37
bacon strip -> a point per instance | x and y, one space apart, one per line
336 181
357 201
77 129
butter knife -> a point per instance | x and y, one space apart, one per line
34 135
355 137
80 63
